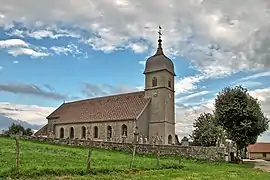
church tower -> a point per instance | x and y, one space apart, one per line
159 86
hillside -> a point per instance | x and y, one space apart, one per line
44 161
5 122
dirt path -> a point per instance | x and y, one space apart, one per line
260 164
263 165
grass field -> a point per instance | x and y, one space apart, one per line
44 161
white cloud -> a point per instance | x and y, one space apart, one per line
249 84
142 63
186 115
18 47
263 95
27 51
61 50
190 96
1 68
138 47
30 113
13 43
140 88
255 76
40 34
187 84
16 32
15 62
219 37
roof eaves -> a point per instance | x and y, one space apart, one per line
50 115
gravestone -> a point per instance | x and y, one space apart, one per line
184 141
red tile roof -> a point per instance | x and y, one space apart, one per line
108 108
259 147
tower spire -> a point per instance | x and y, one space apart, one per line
159 49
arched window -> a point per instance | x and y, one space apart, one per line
169 83
71 133
62 132
170 139
83 133
109 132
154 81
95 132
124 130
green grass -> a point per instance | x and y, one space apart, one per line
45 161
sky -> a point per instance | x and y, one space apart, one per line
56 51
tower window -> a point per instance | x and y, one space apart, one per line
154 81
169 84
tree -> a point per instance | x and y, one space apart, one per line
17 129
240 115
28 132
206 132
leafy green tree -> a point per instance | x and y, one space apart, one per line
15 129
28 132
206 132
240 115
18 129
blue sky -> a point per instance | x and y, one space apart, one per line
58 51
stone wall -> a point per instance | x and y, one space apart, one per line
206 153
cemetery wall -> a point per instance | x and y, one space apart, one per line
197 152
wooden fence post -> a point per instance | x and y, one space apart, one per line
135 141
157 152
17 148
89 156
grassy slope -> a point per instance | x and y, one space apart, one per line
43 161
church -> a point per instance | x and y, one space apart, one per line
151 113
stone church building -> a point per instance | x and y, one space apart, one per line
115 118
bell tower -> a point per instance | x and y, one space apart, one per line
159 86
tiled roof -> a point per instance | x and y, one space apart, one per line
108 108
42 131
259 147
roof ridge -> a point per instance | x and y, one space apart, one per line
104 97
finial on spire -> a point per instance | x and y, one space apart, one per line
159 32
159 49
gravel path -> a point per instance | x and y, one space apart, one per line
263 165
260 164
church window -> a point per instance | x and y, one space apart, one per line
169 84
154 81
170 139
71 133
62 133
109 132
124 130
83 133
95 132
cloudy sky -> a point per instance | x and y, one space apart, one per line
57 50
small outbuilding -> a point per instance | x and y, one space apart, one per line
259 151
